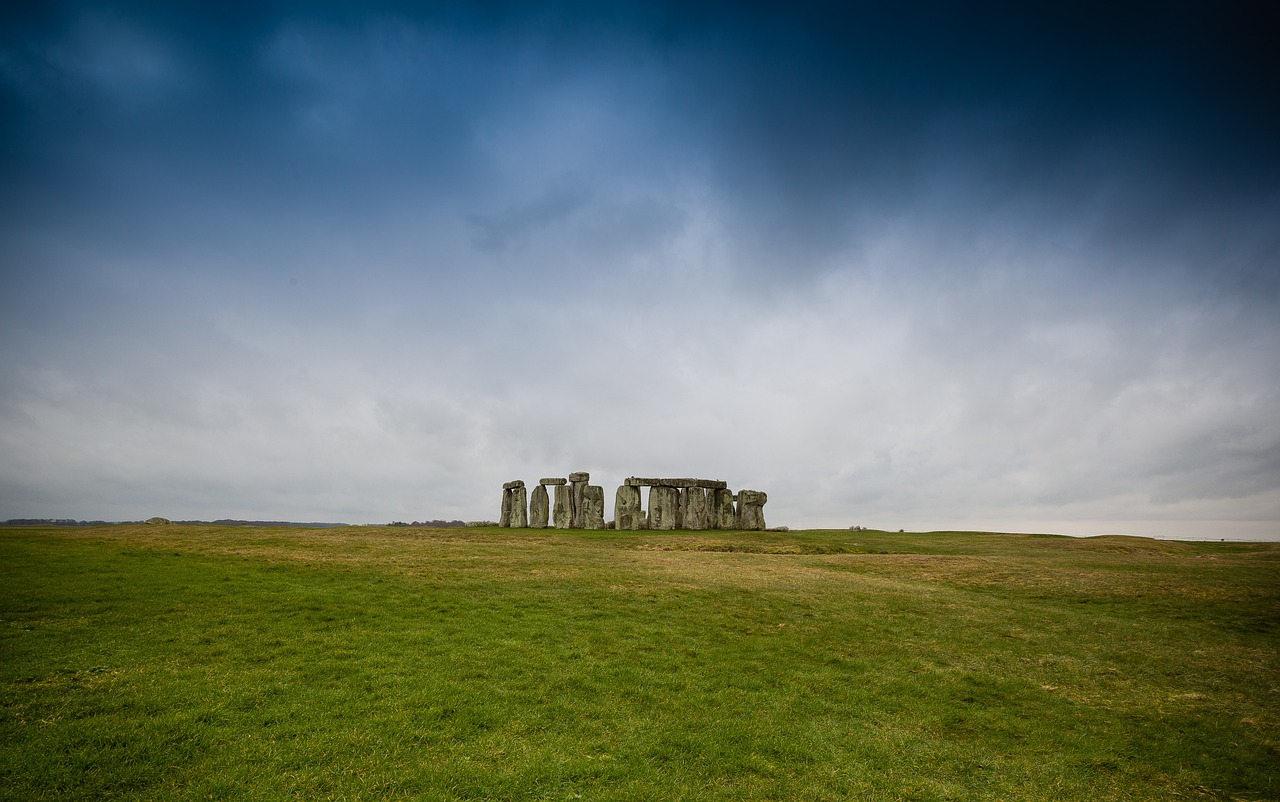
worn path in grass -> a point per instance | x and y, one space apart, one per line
197 662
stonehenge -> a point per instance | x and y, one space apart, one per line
685 503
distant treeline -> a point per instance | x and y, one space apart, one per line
238 522
219 522
59 522
230 522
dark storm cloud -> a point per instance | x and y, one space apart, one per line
254 114
817 122
831 126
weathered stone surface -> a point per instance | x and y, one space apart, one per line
709 484
561 515
513 485
504 518
555 480
579 476
519 506
751 509
626 508
576 490
664 507
693 508
722 514
539 507
593 507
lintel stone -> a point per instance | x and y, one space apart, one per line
706 484
555 480
513 485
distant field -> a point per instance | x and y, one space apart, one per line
204 662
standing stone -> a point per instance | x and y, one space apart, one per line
751 509
593 507
626 508
722 514
508 511
539 507
664 507
693 504
561 514
763 499
578 484
519 507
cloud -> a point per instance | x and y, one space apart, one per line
898 269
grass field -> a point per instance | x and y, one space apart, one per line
199 662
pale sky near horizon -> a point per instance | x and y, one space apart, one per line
972 266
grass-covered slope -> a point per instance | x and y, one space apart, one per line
198 662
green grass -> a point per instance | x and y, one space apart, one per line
199 662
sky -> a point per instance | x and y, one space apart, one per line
922 265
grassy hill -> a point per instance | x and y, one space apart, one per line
205 662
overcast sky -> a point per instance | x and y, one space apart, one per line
926 265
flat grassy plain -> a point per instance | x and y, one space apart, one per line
201 662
